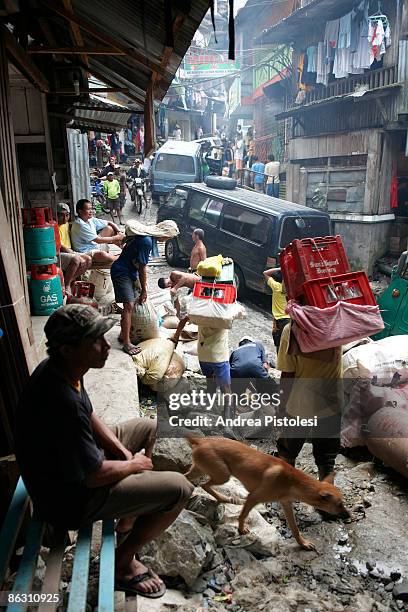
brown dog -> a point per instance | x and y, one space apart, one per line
266 479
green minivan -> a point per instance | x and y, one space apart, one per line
251 228
393 302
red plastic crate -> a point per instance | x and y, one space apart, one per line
353 288
310 258
225 294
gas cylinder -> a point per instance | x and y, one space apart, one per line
61 275
83 293
45 289
39 233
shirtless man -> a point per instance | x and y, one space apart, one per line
176 281
199 251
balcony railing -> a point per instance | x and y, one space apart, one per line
375 79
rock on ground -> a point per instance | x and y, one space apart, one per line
185 549
172 600
172 454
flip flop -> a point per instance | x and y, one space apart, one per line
130 586
131 350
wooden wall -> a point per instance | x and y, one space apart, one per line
17 350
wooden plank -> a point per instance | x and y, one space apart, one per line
20 111
23 61
72 92
35 111
76 35
80 572
29 139
138 57
74 51
107 568
51 583
11 526
28 563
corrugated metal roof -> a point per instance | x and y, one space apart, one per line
137 27
141 26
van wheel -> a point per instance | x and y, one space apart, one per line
239 282
172 252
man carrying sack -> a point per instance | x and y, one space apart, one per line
129 271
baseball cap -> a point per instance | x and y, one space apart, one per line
72 323
63 207
246 338
110 174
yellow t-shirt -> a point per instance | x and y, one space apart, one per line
65 236
278 300
317 388
212 346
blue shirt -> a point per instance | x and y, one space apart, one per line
247 361
83 233
258 167
135 252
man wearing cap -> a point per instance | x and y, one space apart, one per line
89 234
248 363
72 264
76 469
111 190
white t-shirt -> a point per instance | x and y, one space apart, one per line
239 149
272 169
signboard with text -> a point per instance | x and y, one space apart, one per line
208 64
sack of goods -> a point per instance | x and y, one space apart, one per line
317 329
217 268
214 305
157 363
385 361
145 324
102 281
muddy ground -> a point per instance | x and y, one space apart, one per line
358 562
359 565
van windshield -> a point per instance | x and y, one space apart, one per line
179 164
303 227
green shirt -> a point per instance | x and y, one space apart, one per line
111 189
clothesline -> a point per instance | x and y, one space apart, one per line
351 44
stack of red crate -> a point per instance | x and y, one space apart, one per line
316 271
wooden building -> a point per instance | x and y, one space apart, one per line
49 51
347 144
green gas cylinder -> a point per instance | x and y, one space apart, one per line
45 289
39 235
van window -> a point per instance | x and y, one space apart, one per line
303 227
174 201
179 164
245 223
198 204
213 212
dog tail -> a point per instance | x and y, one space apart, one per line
193 441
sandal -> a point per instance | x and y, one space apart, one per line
131 350
130 586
